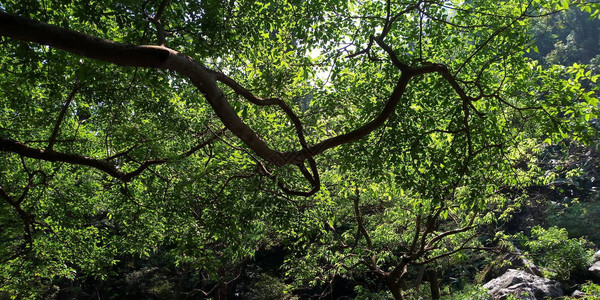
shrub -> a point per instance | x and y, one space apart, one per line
558 255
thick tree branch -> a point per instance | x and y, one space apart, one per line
312 178
8 145
205 80
359 132
25 29
393 57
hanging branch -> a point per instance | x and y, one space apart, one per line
26 217
313 178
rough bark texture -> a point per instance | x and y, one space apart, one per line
395 287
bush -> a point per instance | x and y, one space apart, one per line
558 255
591 290
580 219
471 292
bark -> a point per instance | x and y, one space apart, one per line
25 29
403 284
433 284
395 287
221 293
420 275
104 165
9 145
222 286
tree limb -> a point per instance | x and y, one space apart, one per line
156 20
25 29
9 145
61 116
205 80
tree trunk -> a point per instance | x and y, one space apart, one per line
221 292
433 284
403 284
180 286
395 287
420 275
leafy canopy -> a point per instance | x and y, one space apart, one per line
401 121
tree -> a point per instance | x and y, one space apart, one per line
108 149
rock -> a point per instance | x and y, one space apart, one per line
578 294
595 269
523 285
529 267
597 256
512 260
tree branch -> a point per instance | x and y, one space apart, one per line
25 29
205 80
8 145
156 20
451 232
61 116
24 216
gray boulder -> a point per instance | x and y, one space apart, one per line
511 260
597 256
578 294
595 270
523 285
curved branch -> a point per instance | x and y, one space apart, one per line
205 80
442 235
8 145
242 91
25 29
395 60
360 132
27 219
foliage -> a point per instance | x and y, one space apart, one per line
591 290
567 38
559 255
366 294
570 189
580 219
269 288
472 292
373 138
